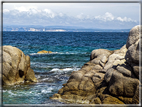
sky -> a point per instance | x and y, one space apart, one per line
85 15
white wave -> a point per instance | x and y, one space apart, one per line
57 53
44 79
68 69
65 69
45 91
72 53
76 69
55 69
48 90
11 93
37 76
4 90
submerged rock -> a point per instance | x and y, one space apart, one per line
16 67
44 51
110 77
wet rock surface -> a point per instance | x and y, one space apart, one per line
110 77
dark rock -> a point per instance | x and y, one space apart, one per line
120 85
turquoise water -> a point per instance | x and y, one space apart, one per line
71 50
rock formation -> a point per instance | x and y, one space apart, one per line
16 67
110 77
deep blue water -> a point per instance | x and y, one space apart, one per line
70 51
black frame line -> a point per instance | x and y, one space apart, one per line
104 1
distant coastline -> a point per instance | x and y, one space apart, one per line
64 30
39 28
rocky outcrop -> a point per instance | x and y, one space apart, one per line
44 51
110 77
16 67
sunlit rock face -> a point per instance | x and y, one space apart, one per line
110 77
16 67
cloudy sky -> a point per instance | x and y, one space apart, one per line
87 15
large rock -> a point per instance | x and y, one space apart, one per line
120 85
133 53
110 77
134 35
136 69
98 52
118 57
16 67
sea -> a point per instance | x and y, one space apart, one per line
70 51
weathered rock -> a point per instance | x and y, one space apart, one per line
122 86
95 101
118 57
134 35
132 55
76 76
97 79
108 74
30 76
110 77
136 69
111 100
96 53
121 52
125 69
104 59
97 67
16 67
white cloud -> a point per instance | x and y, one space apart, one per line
49 13
61 14
106 17
5 10
80 16
33 15
22 8
109 17
125 19
83 16
34 10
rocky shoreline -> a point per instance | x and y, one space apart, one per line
110 77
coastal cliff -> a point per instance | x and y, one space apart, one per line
110 77
16 67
